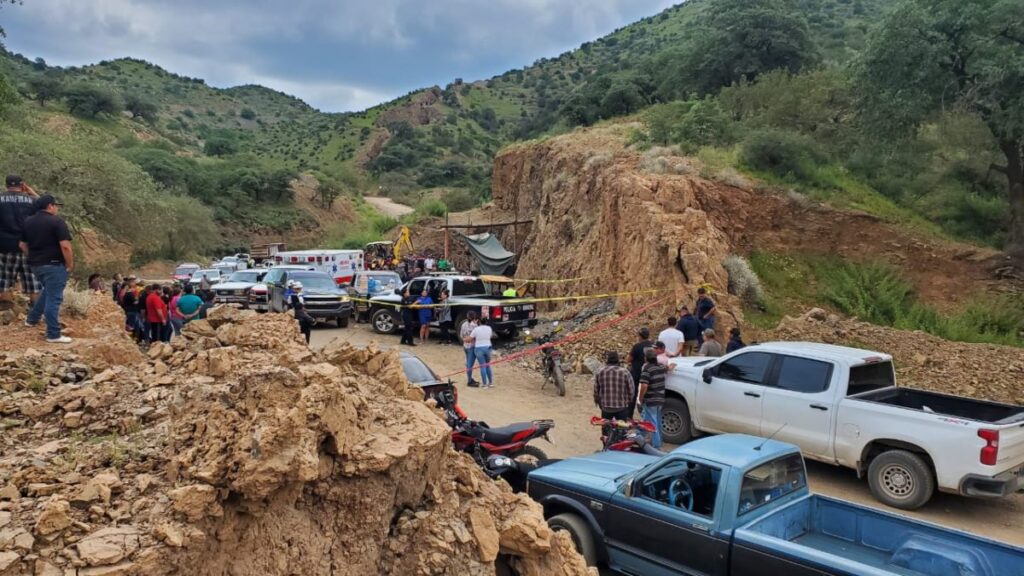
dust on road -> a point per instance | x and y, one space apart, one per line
517 396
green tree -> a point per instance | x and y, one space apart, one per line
248 114
930 56
141 107
328 192
622 98
220 146
87 100
9 97
738 39
45 88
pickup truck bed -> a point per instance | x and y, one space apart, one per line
961 407
832 535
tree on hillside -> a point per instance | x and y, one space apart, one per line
220 146
141 107
738 39
9 97
45 88
328 192
86 101
965 55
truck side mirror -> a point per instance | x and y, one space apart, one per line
706 375
627 490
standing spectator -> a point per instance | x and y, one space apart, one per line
652 393
17 203
47 243
306 321
168 329
96 282
482 336
156 313
130 300
614 389
690 328
425 314
177 319
735 341
636 360
706 310
408 319
189 305
444 317
466 335
673 338
711 346
659 349
115 287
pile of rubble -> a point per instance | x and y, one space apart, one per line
236 449
983 371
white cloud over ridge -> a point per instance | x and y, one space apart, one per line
335 54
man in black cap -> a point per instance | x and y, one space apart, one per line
16 204
47 242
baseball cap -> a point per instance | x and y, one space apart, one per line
45 200
13 180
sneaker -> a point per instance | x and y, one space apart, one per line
30 325
59 340
473 384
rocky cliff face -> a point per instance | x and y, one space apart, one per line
237 450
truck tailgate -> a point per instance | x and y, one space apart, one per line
1011 445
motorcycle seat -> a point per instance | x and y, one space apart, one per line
505 434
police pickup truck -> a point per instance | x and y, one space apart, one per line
466 294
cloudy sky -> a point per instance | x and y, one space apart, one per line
338 55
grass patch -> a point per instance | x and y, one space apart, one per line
370 226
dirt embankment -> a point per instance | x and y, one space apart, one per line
237 450
640 220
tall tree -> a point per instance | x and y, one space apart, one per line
931 56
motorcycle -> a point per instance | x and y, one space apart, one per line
481 441
512 470
626 435
551 361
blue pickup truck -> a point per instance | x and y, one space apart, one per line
737 505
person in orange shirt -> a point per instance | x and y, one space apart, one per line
156 314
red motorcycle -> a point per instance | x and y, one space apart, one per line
626 435
481 441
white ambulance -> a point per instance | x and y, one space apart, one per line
342 265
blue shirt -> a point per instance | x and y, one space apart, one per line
189 303
689 326
704 305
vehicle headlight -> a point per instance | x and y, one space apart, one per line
344 298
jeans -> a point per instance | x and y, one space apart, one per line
483 358
652 414
470 359
53 278
156 332
176 325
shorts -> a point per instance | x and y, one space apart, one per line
12 267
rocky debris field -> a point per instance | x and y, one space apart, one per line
237 450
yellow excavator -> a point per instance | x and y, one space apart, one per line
388 255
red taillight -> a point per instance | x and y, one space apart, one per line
496 312
990 453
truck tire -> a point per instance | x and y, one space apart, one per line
342 322
675 422
580 532
558 377
385 321
901 479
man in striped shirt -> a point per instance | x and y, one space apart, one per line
614 389
652 393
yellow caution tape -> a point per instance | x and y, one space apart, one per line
513 301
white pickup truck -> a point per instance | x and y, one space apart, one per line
841 406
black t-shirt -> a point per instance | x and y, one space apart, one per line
14 209
637 355
704 305
43 233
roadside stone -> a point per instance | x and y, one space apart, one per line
108 545
485 532
54 518
73 419
5 519
9 492
119 570
44 568
7 559
196 502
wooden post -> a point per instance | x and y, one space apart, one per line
446 236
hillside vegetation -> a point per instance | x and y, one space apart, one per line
828 97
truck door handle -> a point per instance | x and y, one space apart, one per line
752 394
819 407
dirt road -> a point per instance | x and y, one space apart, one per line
517 396
388 207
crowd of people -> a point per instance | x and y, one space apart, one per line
155 312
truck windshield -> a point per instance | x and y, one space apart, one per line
468 287
771 481
868 377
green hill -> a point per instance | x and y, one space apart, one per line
771 88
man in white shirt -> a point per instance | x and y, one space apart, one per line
672 338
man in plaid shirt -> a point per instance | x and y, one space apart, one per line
614 389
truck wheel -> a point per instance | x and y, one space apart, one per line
675 422
384 322
581 534
558 377
342 322
901 479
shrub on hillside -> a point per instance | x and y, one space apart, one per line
141 107
784 154
743 282
86 101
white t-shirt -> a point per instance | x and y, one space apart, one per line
482 336
672 338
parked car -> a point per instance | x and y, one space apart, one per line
184 272
841 406
212 275
235 290
421 376
369 283
324 299
259 295
468 293
738 505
